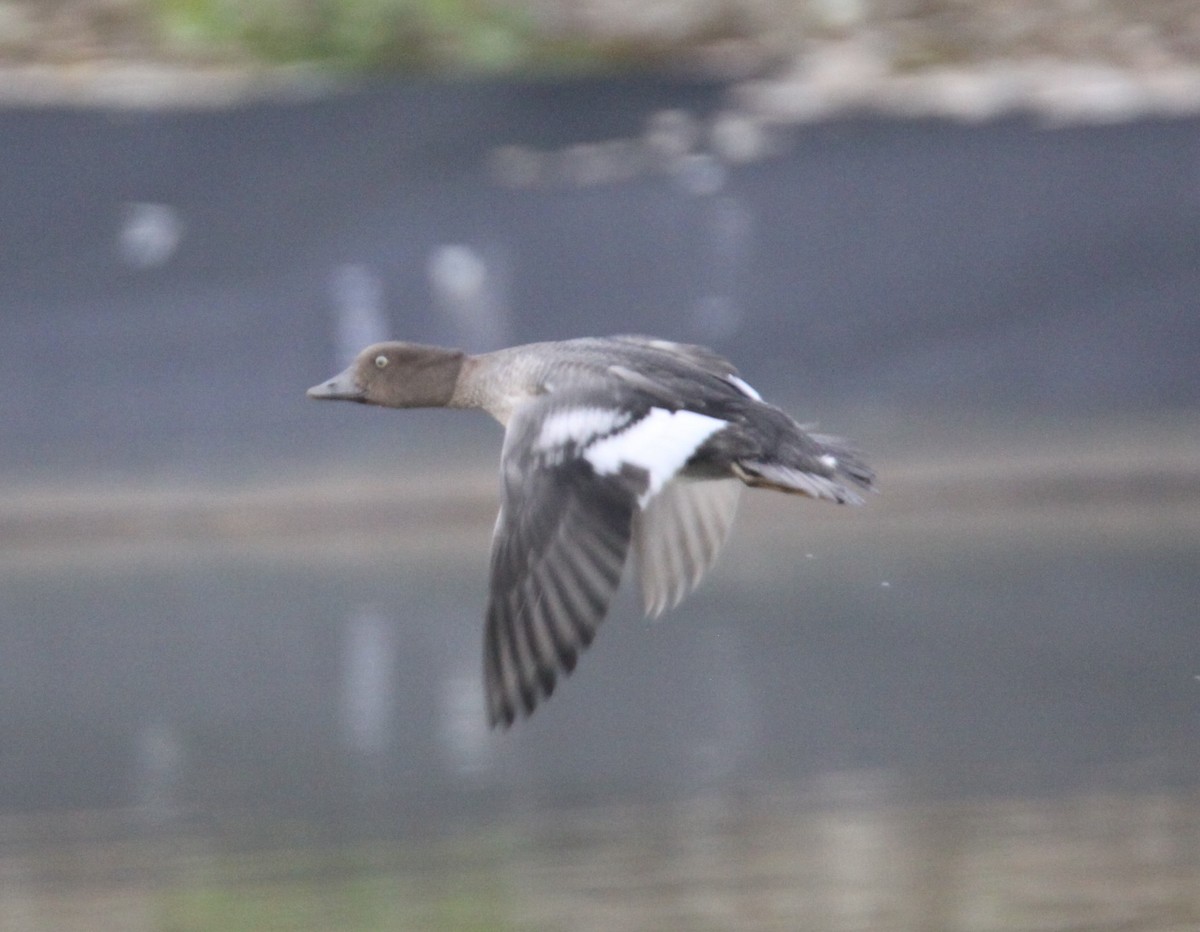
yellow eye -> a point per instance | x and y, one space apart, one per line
380 361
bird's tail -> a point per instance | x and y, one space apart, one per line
820 467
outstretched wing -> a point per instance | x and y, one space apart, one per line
576 469
678 536
557 554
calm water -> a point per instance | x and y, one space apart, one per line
229 702
979 715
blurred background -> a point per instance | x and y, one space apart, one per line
240 633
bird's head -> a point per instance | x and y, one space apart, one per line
396 375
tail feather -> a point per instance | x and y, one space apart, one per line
831 470
850 465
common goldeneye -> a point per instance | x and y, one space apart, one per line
610 444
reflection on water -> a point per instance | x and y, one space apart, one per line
985 665
368 682
981 716
840 853
157 767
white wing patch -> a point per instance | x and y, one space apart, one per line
744 387
578 425
660 443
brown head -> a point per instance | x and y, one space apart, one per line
396 375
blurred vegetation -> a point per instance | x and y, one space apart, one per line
380 35
350 904
445 35
410 34
728 36
451 884
417 35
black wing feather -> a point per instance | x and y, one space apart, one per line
559 549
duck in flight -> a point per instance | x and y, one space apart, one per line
611 445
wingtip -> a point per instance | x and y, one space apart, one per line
500 718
